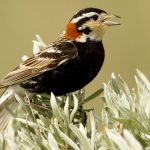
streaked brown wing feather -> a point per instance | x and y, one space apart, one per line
26 72
18 76
37 65
37 62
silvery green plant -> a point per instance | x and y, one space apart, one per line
60 123
46 122
131 108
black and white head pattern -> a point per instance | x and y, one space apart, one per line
84 16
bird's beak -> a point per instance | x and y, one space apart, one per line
106 21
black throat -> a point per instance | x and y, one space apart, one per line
91 57
93 49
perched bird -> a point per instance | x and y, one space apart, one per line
69 63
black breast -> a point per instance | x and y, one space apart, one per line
91 56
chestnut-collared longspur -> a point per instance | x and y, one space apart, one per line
69 63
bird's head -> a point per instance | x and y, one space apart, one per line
89 24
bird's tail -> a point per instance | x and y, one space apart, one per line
6 102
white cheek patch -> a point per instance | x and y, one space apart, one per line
81 27
92 36
84 15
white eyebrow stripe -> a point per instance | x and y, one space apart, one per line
75 20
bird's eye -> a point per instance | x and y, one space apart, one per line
86 30
95 17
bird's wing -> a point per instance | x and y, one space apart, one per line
50 58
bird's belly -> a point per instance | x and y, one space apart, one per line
61 83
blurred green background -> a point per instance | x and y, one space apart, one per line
127 46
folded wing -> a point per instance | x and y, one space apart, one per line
50 58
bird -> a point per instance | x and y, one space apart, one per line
66 65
